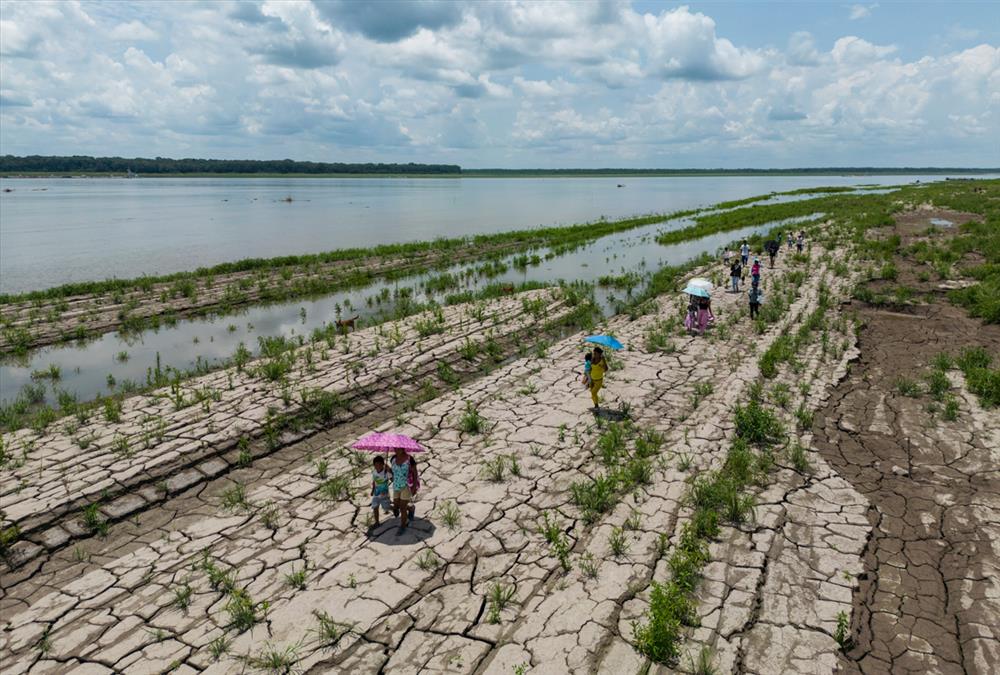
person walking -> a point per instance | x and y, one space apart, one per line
744 252
405 483
755 271
755 297
801 241
598 366
735 274
772 247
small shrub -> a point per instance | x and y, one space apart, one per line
618 541
595 496
428 561
739 508
112 410
447 374
244 613
328 630
8 537
800 461
658 637
495 469
499 596
757 425
296 579
937 384
182 596
270 516
704 663
336 488
840 634
803 417
218 647
271 659
471 421
588 566
235 498
907 387
950 412
94 521
450 514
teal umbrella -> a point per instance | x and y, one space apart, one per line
604 341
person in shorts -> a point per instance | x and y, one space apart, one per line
405 483
380 488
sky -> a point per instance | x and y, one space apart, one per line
607 83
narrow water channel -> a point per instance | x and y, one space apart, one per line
118 361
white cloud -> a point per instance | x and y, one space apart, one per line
132 31
861 11
520 83
682 44
853 49
802 49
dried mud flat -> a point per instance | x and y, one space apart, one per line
264 565
929 600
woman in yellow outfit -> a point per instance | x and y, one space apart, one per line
598 366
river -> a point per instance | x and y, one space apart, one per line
59 230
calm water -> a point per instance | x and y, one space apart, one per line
85 368
54 231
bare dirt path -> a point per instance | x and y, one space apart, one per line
930 598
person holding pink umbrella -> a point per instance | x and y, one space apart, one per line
405 483
404 476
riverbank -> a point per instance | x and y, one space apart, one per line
700 518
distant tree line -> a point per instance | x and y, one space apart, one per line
826 171
165 165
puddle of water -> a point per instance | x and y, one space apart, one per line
941 222
106 364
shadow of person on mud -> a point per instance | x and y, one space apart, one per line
611 415
418 530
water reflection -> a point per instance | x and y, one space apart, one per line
113 361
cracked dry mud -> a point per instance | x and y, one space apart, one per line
768 602
930 600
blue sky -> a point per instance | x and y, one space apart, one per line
506 84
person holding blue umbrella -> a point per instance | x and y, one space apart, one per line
598 365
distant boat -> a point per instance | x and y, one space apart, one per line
129 173
621 185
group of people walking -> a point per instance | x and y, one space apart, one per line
738 266
400 472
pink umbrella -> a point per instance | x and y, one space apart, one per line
378 441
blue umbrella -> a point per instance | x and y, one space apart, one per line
699 292
604 341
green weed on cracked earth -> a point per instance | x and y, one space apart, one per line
713 496
450 514
499 595
471 422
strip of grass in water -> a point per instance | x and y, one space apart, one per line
801 191
513 240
